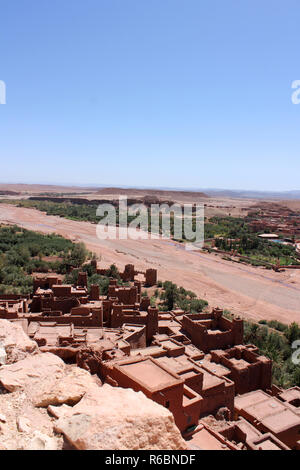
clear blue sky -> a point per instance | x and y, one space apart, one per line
157 93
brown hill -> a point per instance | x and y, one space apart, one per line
151 192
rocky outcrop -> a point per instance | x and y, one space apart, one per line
47 380
116 418
89 358
15 342
69 389
35 374
31 384
46 404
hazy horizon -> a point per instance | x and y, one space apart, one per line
153 188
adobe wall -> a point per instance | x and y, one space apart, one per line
202 339
78 320
126 295
137 339
170 397
129 273
8 315
150 277
195 382
189 413
82 279
152 323
62 291
45 282
117 314
13 297
222 398
256 374
289 436
39 304
95 292
206 339
144 304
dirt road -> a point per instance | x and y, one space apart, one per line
251 292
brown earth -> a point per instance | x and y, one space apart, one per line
215 206
39 387
249 291
293 204
151 192
39 188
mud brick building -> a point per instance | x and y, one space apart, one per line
11 306
248 370
194 364
270 415
212 330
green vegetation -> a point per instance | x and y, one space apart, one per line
178 297
96 279
259 251
229 233
68 210
275 340
234 234
23 252
276 325
227 227
80 212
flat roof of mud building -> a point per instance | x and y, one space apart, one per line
203 440
270 411
290 394
149 374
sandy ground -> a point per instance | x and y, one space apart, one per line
42 188
251 292
215 206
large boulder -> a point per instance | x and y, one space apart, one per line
47 380
35 374
15 342
68 389
117 418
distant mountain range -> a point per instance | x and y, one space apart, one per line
235 193
17 188
151 192
208 192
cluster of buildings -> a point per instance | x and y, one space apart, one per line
195 364
275 218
